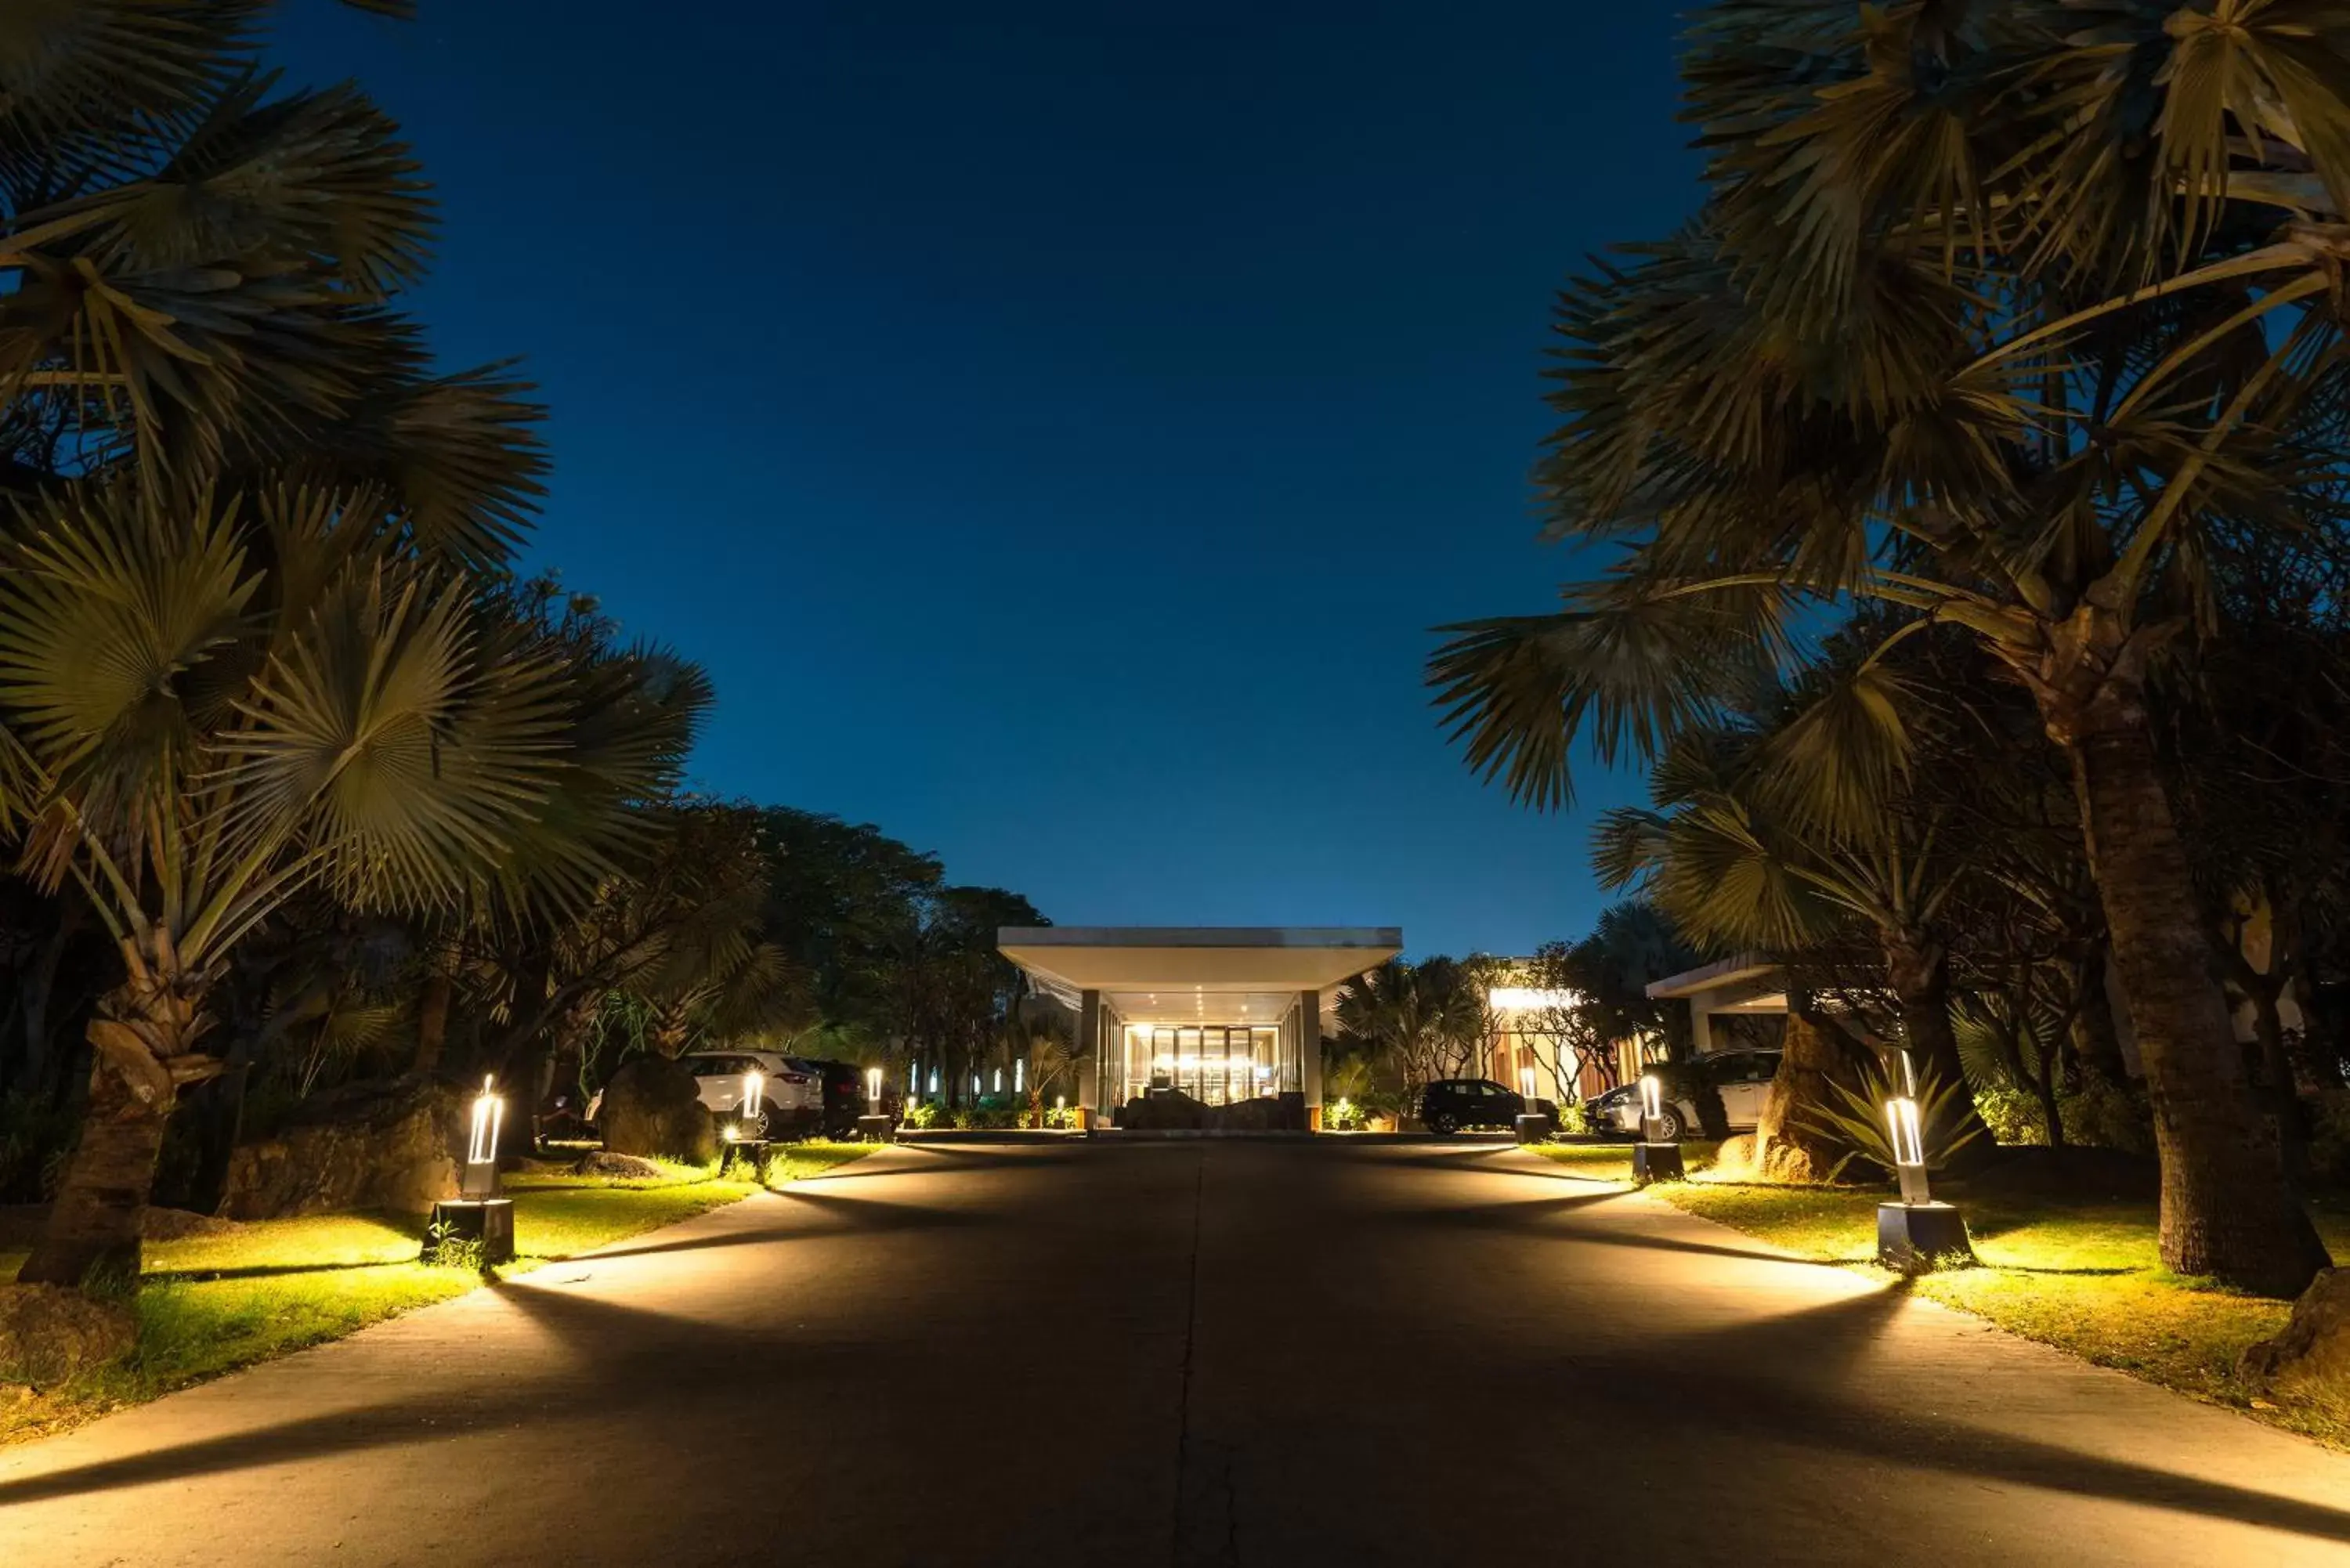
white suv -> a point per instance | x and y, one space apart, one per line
790 1100
1744 1078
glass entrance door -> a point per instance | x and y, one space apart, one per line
1215 1064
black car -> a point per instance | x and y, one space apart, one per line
843 1096
1449 1105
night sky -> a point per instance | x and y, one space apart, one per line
1057 431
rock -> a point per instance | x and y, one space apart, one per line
625 1165
49 1333
1792 1163
380 1144
2312 1356
652 1106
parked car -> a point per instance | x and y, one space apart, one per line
1742 1079
792 1098
843 1096
1449 1105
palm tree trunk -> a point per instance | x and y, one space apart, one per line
2096 1040
143 1055
1787 1145
432 1019
2227 1207
1920 969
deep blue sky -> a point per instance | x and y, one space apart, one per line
1057 431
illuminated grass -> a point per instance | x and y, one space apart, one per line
209 1305
2084 1276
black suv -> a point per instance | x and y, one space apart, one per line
1451 1103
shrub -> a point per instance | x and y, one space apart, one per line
1855 1120
1063 1117
1574 1121
920 1115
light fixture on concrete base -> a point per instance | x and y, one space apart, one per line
1655 1157
1532 1124
1920 1234
477 1215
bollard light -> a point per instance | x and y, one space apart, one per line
934 1080
1020 1076
480 1176
873 1088
974 1085
1908 1137
1526 1088
755 1096
1654 1158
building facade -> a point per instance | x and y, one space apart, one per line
1222 1013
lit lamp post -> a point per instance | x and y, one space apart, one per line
746 1136
873 1127
1532 1125
477 1214
1919 1233
1655 1157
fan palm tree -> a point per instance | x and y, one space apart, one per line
203 715
2021 317
198 268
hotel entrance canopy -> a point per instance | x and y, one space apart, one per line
1222 1012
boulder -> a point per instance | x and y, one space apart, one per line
1734 1160
2312 1356
653 1107
380 1144
627 1167
49 1333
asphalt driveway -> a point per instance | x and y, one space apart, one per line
1195 1353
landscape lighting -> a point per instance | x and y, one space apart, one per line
754 1089
873 1087
1654 1159
480 1174
1917 1233
1526 1086
1020 1076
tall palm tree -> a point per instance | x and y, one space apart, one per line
204 715
2019 318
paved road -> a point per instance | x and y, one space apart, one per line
1241 1353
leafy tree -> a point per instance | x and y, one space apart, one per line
2020 318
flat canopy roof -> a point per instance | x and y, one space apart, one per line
1142 964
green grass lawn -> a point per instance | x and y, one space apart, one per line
208 1305
2081 1274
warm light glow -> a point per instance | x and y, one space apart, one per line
873 1086
934 1080
1020 1077
489 1118
1529 999
755 1088
1060 1101
1526 1084
1652 1096
1901 1121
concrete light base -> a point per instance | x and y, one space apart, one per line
875 1129
753 1150
1536 1129
1919 1238
1657 1162
488 1220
